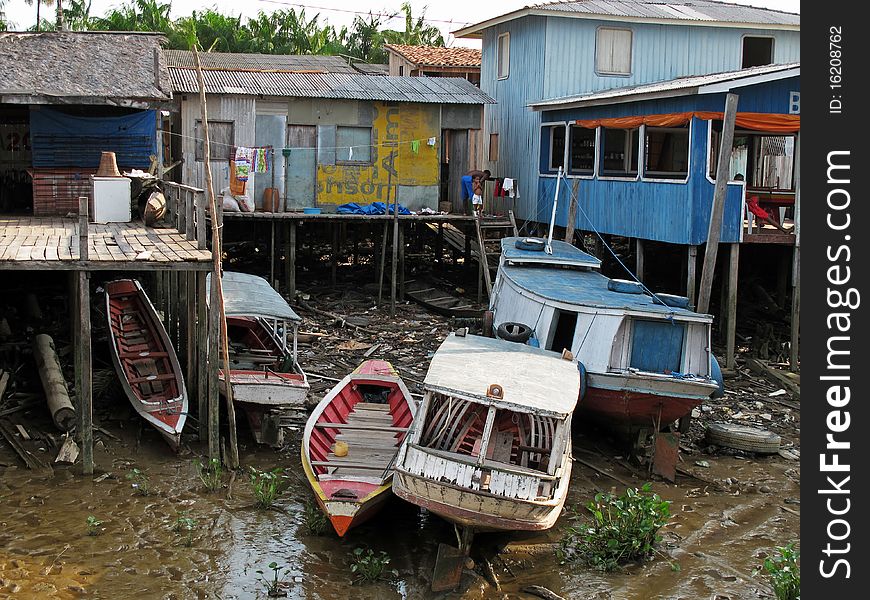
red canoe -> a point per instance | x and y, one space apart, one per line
371 411
145 360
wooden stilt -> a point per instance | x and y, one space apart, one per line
733 263
394 266
291 262
190 303
439 243
214 358
718 208
638 244
382 262
692 274
572 212
335 244
202 362
272 249
84 395
401 264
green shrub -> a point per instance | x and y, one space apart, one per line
368 567
140 481
93 525
785 573
273 586
210 474
620 529
316 523
266 485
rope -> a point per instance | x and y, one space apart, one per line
671 314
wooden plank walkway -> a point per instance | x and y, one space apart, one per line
53 243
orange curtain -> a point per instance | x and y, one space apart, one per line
755 121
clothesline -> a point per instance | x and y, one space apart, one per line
381 145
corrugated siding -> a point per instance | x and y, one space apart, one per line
678 213
516 125
241 111
659 53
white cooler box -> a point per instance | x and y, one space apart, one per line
111 202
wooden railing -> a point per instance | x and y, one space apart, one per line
185 206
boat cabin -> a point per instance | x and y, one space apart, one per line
608 325
495 421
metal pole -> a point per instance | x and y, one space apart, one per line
549 246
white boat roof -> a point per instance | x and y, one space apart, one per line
564 254
251 296
533 380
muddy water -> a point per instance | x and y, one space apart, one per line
715 536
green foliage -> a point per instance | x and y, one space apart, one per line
140 481
368 567
316 522
784 572
620 529
93 525
266 485
186 526
273 586
210 474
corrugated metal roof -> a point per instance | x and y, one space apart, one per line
435 56
372 69
674 87
91 67
688 12
228 61
684 10
251 296
339 86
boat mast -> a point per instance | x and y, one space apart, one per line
549 246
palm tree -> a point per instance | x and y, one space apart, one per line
416 33
39 4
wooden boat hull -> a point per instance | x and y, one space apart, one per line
266 388
452 496
439 301
145 360
349 492
642 401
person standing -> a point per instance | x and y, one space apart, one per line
472 188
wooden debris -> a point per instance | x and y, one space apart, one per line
603 472
22 431
531 549
30 459
62 412
489 573
4 381
542 592
69 451
788 381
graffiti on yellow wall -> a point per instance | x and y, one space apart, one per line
401 156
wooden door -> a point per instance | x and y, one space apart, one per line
301 180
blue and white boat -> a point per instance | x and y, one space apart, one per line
646 360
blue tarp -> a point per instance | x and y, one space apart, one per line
375 208
62 140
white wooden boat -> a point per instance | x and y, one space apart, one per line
645 362
490 448
145 360
368 413
265 375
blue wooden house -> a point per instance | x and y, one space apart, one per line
564 49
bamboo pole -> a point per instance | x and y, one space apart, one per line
233 458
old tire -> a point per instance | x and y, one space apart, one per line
532 244
741 437
514 332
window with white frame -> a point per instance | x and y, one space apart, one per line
557 148
666 152
353 145
504 55
619 152
613 51
581 156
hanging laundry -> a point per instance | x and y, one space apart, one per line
415 146
499 191
509 186
261 160
244 156
431 141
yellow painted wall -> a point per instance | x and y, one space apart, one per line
395 127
